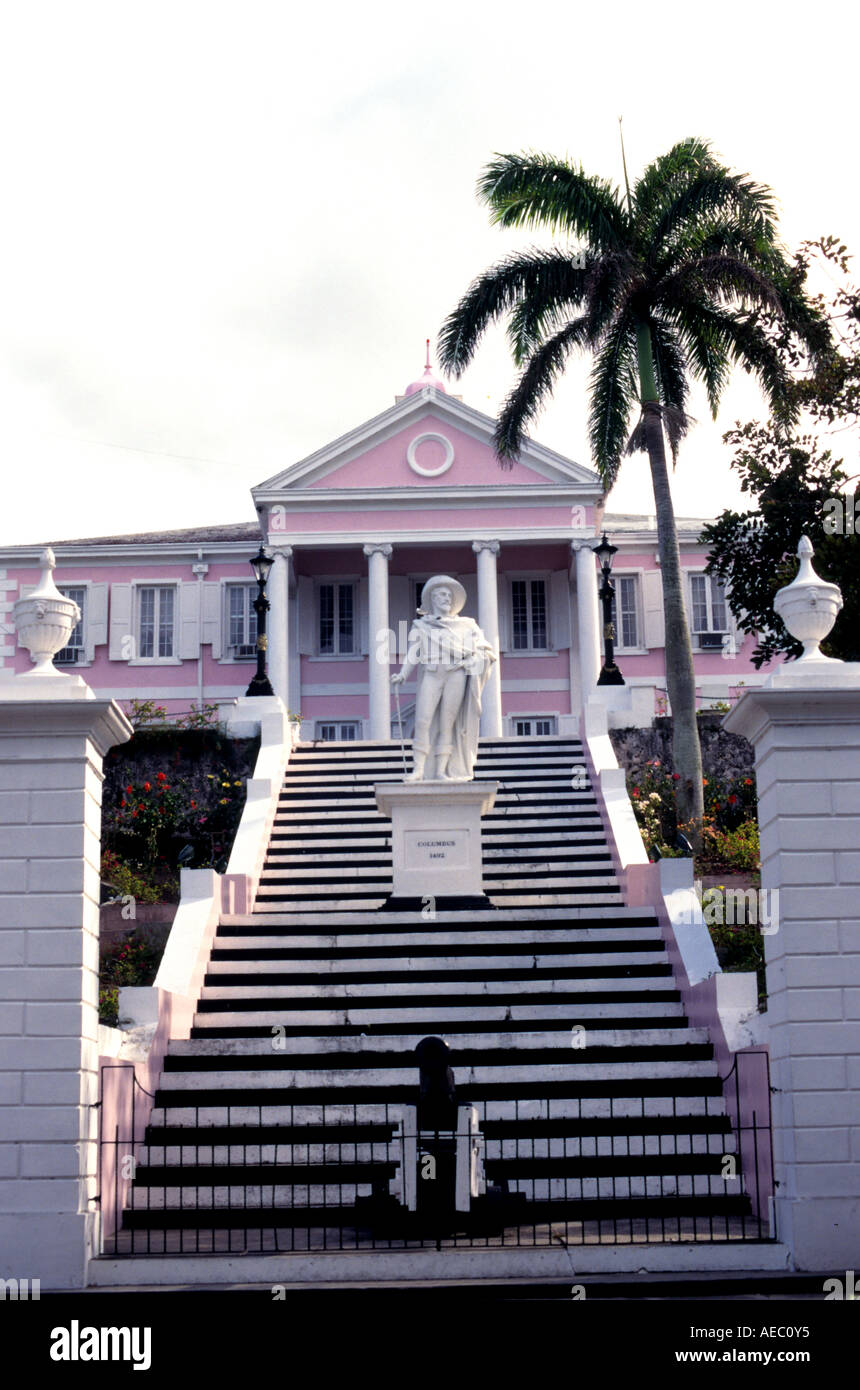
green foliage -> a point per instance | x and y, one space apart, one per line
125 882
730 831
739 946
755 553
146 714
795 482
151 820
133 961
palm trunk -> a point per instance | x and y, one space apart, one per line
680 672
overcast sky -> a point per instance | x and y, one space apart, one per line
228 228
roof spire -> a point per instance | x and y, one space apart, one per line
428 378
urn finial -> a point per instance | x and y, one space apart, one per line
808 606
44 619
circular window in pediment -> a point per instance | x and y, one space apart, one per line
430 455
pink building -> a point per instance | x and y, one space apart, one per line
356 528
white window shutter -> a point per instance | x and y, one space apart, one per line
121 626
307 615
653 622
362 597
95 619
504 591
212 617
559 610
189 620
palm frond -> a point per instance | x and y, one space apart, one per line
704 346
682 162
722 277
544 279
533 388
670 367
613 397
713 192
537 190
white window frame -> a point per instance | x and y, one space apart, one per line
137 586
640 649
514 719
353 581
228 654
528 577
320 724
85 649
710 579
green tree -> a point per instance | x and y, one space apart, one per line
755 553
669 282
798 488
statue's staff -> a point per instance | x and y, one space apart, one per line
400 724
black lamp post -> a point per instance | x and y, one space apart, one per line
261 564
610 675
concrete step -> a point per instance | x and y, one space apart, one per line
523 938
501 917
686 1113
178 1084
387 1017
545 961
610 1040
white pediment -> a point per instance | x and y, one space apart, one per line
459 439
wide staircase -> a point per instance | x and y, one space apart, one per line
275 1125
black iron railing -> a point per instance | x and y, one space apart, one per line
352 1176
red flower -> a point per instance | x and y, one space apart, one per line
732 800
704 781
147 786
161 777
122 803
134 813
748 782
194 805
129 788
676 776
635 791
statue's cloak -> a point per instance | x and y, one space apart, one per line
467 642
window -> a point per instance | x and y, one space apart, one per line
338 733
417 586
534 728
625 610
709 615
241 622
156 606
337 635
74 652
528 615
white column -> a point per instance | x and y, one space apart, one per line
587 625
51 752
277 627
488 620
379 643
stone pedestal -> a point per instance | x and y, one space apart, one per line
53 736
805 727
436 838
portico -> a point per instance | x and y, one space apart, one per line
358 527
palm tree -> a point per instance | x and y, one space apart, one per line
681 277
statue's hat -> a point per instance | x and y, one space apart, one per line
439 581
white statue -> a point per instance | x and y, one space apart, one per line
454 660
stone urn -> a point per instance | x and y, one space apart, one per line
809 606
44 620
